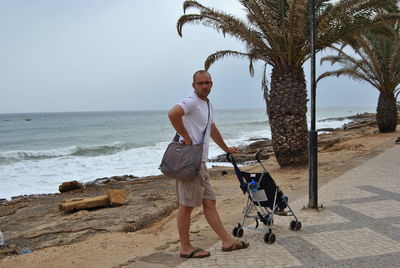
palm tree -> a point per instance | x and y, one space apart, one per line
378 65
277 33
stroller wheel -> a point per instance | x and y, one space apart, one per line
237 232
292 225
269 238
295 225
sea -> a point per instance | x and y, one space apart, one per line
39 151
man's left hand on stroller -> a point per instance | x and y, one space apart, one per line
232 150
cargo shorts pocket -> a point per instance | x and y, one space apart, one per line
189 191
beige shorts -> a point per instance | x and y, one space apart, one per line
192 193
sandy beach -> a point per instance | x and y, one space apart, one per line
62 240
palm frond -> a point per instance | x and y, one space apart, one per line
378 63
346 19
220 21
350 73
278 31
264 86
225 53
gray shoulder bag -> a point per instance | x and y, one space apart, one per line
182 161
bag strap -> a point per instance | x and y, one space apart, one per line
208 119
176 138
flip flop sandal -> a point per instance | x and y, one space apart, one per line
237 245
193 254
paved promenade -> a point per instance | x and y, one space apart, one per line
359 225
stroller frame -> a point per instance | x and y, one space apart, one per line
265 197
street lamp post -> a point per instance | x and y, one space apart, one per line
313 135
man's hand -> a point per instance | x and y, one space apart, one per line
232 150
175 116
187 140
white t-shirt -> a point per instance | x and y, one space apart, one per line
195 120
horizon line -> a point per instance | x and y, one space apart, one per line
161 110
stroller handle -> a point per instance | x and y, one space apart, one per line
243 184
230 158
257 155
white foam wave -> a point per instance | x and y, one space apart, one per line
32 176
15 156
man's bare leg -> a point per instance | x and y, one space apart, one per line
213 219
183 222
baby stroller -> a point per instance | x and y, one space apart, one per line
265 197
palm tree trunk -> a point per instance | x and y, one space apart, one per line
386 113
287 112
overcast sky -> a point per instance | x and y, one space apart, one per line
97 55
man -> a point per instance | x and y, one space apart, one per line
190 118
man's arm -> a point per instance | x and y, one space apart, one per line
175 116
217 138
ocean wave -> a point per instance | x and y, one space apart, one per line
246 123
89 151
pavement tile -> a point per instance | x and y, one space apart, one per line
353 243
328 197
378 209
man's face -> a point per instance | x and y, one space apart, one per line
202 85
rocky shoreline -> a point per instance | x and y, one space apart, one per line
246 155
33 222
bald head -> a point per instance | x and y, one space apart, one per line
200 72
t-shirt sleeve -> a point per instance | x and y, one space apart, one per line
187 104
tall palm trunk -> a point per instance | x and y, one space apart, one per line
287 111
386 112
